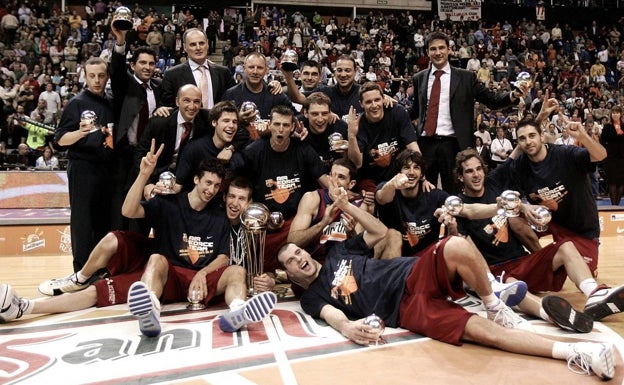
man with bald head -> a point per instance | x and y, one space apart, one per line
212 79
188 121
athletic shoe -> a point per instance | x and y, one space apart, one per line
605 301
145 307
511 293
11 306
592 356
562 314
254 310
70 283
507 318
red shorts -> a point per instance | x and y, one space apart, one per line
275 240
535 269
424 307
588 248
128 264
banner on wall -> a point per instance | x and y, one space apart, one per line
459 10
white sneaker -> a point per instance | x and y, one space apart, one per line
254 310
605 301
507 318
144 305
592 356
11 306
511 293
59 286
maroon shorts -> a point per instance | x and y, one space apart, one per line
535 269
128 264
275 240
424 307
588 248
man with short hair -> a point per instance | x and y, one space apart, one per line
412 293
212 79
91 160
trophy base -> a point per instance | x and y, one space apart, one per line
196 306
167 192
539 229
123 24
289 66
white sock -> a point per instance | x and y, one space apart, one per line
588 285
491 301
237 303
562 350
81 278
543 315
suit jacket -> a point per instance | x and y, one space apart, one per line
129 96
181 74
164 130
464 89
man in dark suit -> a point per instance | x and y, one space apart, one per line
136 96
443 137
217 79
174 132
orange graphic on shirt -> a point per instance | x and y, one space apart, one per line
381 159
502 235
279 195
412 239
346 287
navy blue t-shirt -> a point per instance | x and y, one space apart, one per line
375 285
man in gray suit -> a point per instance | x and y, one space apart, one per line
444 135
211 78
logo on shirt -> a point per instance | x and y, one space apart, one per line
193 248
281 187
550 197
382 155
344 283
415 232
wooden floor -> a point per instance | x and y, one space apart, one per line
25 273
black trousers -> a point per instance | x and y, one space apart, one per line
90 197
439 153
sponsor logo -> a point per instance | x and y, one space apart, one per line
619 230
33 241
617 217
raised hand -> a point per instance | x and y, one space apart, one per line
148 163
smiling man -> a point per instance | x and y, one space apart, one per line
224 120
376 137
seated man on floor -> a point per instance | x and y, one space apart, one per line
190 253
412 293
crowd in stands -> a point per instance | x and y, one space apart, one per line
43 49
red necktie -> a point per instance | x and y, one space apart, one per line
188 127
431 119
143 115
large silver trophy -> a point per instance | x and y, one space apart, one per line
255 221
122 19
511 203
542 218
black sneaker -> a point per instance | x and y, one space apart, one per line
562 314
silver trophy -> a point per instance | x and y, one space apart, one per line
511 203
89 117
255 220
195 301
122 19
377 324
167 180
542 218
276 220
289 60
523 78
337 142
453 205
248 106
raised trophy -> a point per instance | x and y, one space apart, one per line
167 180
289 60
122 19
195 301
255 221
542 218
377 324
337 142
511 203
523 79
453 205
276 220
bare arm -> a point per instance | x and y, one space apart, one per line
596 151
132 204
291 88
353 150
301 233
355 331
